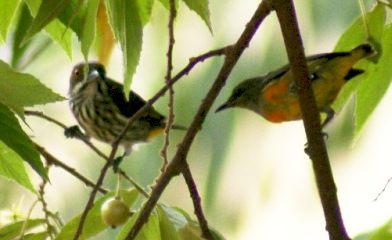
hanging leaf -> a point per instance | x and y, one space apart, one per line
19 90
47 11
201 8
127 27
88 32
55 29
374 86
15 138
8 10
12 167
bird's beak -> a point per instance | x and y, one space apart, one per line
223 107
93 74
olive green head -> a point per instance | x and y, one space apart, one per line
244 95
82 72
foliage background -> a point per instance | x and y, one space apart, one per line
255 179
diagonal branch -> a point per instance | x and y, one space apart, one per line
175 166
53 160
311 118
190 182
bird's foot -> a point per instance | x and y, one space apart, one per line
74 132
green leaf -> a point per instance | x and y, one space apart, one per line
201 8
373 87
382 233
55 28
8 9
167 226
19 90
145 9
356 35
36 236
23 22
93 224
15 138
12 167
88 32
47 11
11 231
150 229
351 38
127 27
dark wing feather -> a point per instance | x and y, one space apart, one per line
128 108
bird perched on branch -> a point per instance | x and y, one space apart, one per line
102 110
274 96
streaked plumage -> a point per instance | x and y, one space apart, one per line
101 109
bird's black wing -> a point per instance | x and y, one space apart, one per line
135 102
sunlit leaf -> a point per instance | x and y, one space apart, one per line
93 224
127 27
12 167
8 9
47 11
372 89
354 36
88 32
201 8
23 22
15 138
13 230
19 90
36 236
382 233
150 229
168 228
145 9
55 28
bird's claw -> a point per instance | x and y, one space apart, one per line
74 132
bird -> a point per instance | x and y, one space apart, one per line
102 110
274 95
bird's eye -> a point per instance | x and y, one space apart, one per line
77 72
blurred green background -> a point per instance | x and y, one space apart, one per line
254 177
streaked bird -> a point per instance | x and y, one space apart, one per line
101 109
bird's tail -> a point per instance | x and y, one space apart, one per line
364 50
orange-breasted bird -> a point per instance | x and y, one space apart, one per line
102 110
274 95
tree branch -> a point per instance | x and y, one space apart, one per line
311 118
232 55
53 160
85 139
190 182
169 54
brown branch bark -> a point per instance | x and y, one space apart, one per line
232 55
190 182
311 118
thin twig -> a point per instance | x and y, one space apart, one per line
186 173
311 118
94 192
53 160
383 189
41 193
233 53
169 54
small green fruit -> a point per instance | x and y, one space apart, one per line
114 212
